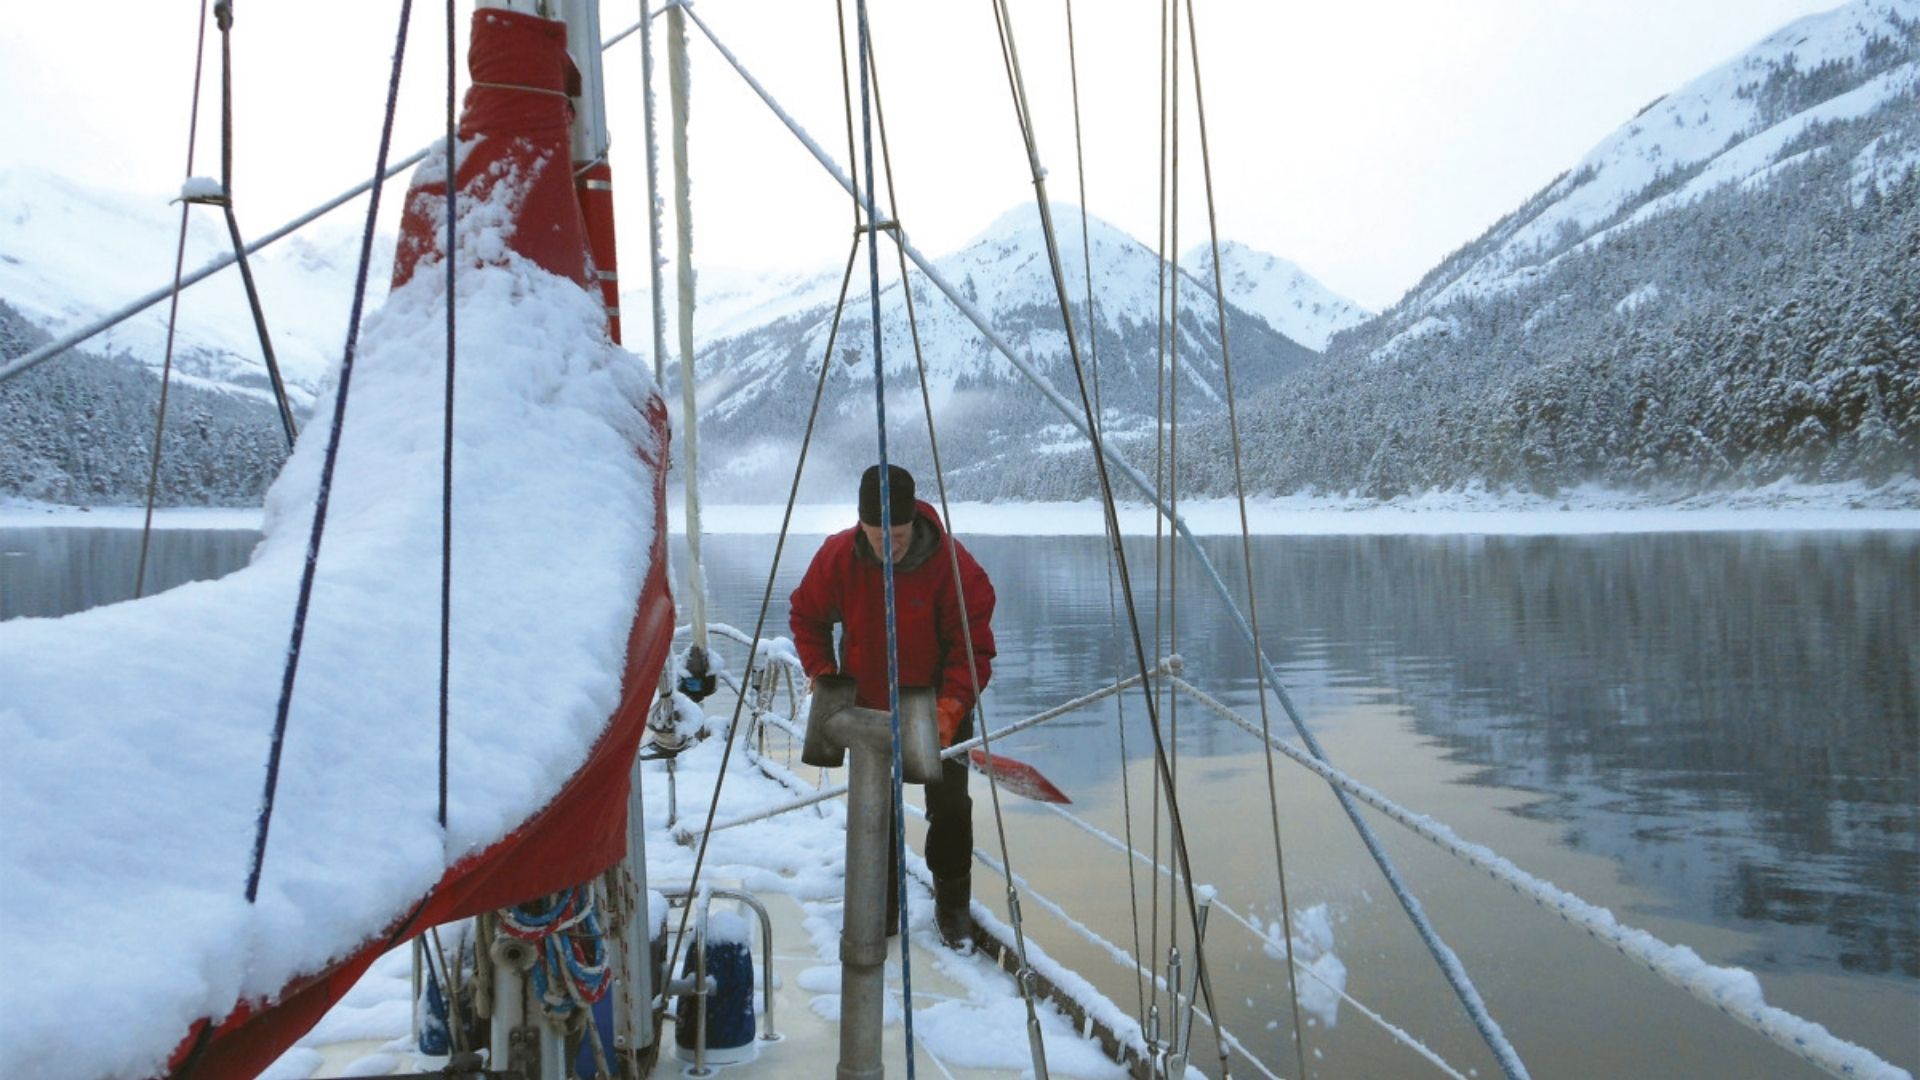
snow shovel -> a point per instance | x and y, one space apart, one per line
1017 776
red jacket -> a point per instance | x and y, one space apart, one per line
845 585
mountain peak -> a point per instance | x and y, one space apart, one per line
1277 290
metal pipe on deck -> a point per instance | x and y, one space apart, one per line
834 726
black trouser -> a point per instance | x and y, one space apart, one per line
949 830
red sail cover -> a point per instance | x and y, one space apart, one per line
522 116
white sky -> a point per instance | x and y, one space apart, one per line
1363 139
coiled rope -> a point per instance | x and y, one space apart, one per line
565 927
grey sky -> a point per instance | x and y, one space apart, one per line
1362 139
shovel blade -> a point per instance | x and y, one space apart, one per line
1017 776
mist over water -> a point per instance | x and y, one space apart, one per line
1714 735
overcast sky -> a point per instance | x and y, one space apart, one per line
1362 139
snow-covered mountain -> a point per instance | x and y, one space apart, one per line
1277 290
1723 292
69 254
997 436
1737 124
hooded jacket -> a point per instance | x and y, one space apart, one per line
845 585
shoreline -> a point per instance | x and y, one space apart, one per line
1780 508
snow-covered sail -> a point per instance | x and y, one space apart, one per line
137 734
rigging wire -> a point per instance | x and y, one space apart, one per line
1159 480
1023 977
1010 54
1246 544
1099 413
223 15
886 532
173 312
766 597
446 445
1171 192
265 819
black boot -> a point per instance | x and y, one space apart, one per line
952 914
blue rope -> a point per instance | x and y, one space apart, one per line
569 922
446 446
265 818
886 547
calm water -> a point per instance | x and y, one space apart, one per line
1717 736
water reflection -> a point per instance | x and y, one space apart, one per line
1733 718
54 571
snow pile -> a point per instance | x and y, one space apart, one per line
138 733
1326 973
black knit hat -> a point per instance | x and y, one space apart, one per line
899 490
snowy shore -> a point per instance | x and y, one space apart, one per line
1779 507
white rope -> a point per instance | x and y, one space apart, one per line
1733 991
689 411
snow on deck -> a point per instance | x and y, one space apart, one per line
969 1020
137 734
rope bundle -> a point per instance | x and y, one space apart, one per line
565 927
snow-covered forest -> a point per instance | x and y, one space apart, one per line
79 430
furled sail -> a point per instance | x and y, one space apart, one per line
138 733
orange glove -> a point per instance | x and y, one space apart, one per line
950 713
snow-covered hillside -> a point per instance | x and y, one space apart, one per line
1278 291
69 254
1723 293
755 387
1732 125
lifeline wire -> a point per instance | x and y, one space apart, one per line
173 312
1246 545
265 819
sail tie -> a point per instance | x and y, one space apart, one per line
521 86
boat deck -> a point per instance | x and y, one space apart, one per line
969 1022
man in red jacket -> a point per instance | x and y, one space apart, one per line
936 620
